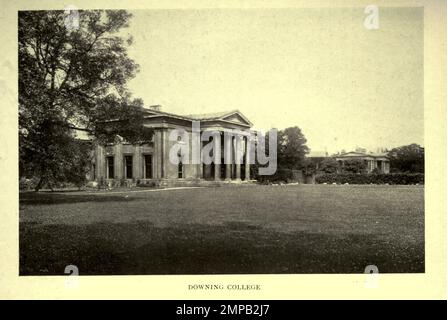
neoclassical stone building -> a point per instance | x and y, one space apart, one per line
379 161
150 162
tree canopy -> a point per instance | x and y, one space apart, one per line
292 148
409 158
73 79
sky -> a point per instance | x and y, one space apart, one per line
316 68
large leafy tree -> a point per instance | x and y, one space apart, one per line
409 158
73 79
292 148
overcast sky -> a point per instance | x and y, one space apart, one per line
319 69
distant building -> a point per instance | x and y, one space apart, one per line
379 161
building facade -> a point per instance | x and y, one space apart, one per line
151 161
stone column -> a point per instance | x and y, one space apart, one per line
200 173
157 157
237 155
119 170
137 167
207 171
247 158
217 156
164 157
228 157
238 171
198 157
100 165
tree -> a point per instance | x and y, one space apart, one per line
291 148
409 158
354 166
79 164
329 165
73 79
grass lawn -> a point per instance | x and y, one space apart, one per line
250 229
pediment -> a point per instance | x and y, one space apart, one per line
236 117
151 112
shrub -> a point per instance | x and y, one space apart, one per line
102 184
354 166
28 183
146 184
282 175
329 165
357 178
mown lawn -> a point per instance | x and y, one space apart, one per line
251 229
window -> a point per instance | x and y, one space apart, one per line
110 168
379 165
148 166
128 166
180 170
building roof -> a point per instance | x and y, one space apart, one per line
211 116
231 116
317 154
352 154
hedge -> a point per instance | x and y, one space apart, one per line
31 183
282 175
358 178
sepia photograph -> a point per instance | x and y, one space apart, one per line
221 141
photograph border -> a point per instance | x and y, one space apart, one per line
430 284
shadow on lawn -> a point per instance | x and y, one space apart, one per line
233 248
45 198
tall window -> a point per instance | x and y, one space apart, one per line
180 170
148 166
222 170
128 163
110 168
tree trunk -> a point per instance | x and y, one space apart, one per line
50 186
39 184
